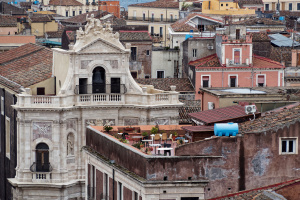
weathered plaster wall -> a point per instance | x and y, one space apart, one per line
249 161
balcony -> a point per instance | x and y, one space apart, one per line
103 96
236 39
41 173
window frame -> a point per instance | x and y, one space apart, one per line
157 71
267 7
290 6
295 143
298 6
236 80
194 53
7 137
265 80
209 80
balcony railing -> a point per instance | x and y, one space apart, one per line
149 98
41 173
100 88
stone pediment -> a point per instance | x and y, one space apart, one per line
97 38
100 46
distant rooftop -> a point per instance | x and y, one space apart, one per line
158 4
243 91
282 41
273 119
220 114
182 84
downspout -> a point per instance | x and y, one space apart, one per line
5 177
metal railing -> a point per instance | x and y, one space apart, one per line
100 88
45 167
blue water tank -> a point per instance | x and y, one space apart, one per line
188 36
281 18
226 129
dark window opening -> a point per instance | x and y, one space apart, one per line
160 74
232 81
83 85
160 31
42 158
67 13
205 81
201 28
134 74
152 30
148 52
133 54
115 85
73 13
144 16
267 7
261 80
290 6
99 80
40 91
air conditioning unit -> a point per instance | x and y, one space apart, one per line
211 105
230 62
210 47
250 109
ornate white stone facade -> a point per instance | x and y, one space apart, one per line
51 129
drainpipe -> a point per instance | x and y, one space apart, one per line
113 184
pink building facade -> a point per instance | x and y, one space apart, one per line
234 65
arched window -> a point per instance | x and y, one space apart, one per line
42 158
99 80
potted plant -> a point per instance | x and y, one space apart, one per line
145 135
107 128
174 135
154 130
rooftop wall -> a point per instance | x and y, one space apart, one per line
249 161
151 168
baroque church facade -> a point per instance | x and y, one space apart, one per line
93 86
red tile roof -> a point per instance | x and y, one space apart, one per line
261 21
182 84
26 65
41 18
220 114
158 4
208 61
135 36
183 26
256 194
8 21
198 128
65 3
272 120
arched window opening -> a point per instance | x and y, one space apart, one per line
99 80
42 158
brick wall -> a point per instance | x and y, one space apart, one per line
127 194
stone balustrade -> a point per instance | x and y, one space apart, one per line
163 98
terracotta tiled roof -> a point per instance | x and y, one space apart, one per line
158 4
262 62
272 120
259 193
249 2
26 65
198 128
65 3
208 61
55 34
183 26
258 21
41 18
260 36
81 19
135 36
8 21
190 106
219 114
9 9
182 84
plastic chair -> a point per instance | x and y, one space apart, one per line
156 137
170 138
164 137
